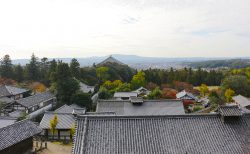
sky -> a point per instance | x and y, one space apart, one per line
156 28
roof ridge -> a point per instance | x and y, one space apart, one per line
149 116
15 123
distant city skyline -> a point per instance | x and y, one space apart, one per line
152 28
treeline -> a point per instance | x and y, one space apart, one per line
232 63
194 77
61 78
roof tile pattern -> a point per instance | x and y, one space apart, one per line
65 121
161 134
36 99
10 90
148 107
17 132
230 111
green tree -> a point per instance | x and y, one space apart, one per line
138 80
53 123
72 131
104 93
66 86
33 69
237 83
203 89
83 100
75 68
229 95
6 67
18 73
155 94
102 74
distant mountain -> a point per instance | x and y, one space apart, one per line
137 62
231 63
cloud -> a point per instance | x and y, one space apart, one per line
68 28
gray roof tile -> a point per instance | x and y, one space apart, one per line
17 132
65 120
10 90
148 107
5 121
180 134
36 99
230 110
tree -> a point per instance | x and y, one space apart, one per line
138 80
237 83
72 131
75 68
53 123
203 90
33 69
169 93
155 94
6 67
104 93
229 95
38 87
18 73
83 100
102 74
66 86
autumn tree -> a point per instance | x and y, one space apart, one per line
203 90
72 131
6 68
53 123
169 93
229 95
138 80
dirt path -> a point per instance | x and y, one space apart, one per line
57 148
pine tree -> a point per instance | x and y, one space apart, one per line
33 68
75 68
6 67
19 73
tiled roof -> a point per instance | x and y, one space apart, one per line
6 100
85 88
36 99
17 132
185 95
241 100
125 94
10 90
148 107
230 110
180 134
142 90
5 121
65 120
69 109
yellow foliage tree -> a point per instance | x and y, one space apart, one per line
53 123
229 95
203 89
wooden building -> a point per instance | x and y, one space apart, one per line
17 138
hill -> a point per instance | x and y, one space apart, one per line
231 63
